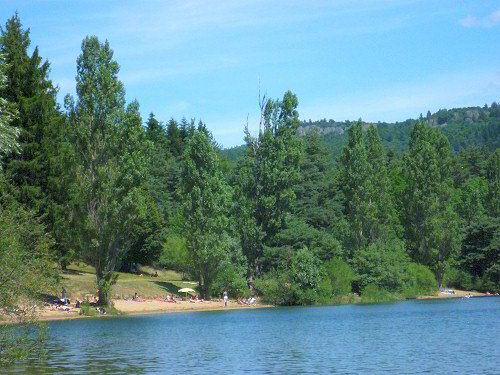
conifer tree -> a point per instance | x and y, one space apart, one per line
266 178
28 85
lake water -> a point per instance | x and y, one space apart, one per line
411 337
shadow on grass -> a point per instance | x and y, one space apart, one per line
169 287
47 298
69 271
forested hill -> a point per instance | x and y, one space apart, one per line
464 127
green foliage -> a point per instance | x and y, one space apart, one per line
87 309
420 281
8 111
493 175
26 271
383 264
431 223
28 86
205 210
175 255
340 276
295 283
372 293
264 191
232 278
107 192
369 206
460 279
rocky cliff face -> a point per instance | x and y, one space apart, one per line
302 130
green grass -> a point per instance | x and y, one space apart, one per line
79 282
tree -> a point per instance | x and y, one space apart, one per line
205 210
28 86
26 271
316 199
355 174
266 178
108 195
493 175
369 206
431 223
8 111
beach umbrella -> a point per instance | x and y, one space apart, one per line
186 290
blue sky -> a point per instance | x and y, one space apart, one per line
381 60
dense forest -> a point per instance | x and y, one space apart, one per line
304 213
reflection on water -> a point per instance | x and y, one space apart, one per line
461 336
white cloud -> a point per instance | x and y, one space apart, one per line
488 21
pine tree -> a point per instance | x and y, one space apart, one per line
29 87
266 178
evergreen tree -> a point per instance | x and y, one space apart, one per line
29 87
206 197
493 175
317 201
266 178
8 112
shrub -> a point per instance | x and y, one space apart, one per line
87 309
460 279
232 278
419 281
383 264
372 294
340 275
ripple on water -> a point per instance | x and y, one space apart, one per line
410 337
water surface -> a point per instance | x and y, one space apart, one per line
459 336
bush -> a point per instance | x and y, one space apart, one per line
87 309
231 278
460 279
340 275
420 281
383 264
372 294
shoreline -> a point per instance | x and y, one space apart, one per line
150 307
136 308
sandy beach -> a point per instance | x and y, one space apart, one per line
151 306
130 307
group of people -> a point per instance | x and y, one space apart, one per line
249 301
63 303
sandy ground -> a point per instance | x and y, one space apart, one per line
130 307
458 293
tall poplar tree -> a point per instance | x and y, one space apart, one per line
205 208
109 147
355 184
431 223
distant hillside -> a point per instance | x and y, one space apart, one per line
464 127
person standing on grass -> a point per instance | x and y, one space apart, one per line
225 297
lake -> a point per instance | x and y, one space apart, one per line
409 337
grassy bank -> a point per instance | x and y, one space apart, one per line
79 282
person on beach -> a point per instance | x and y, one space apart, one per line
225 298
